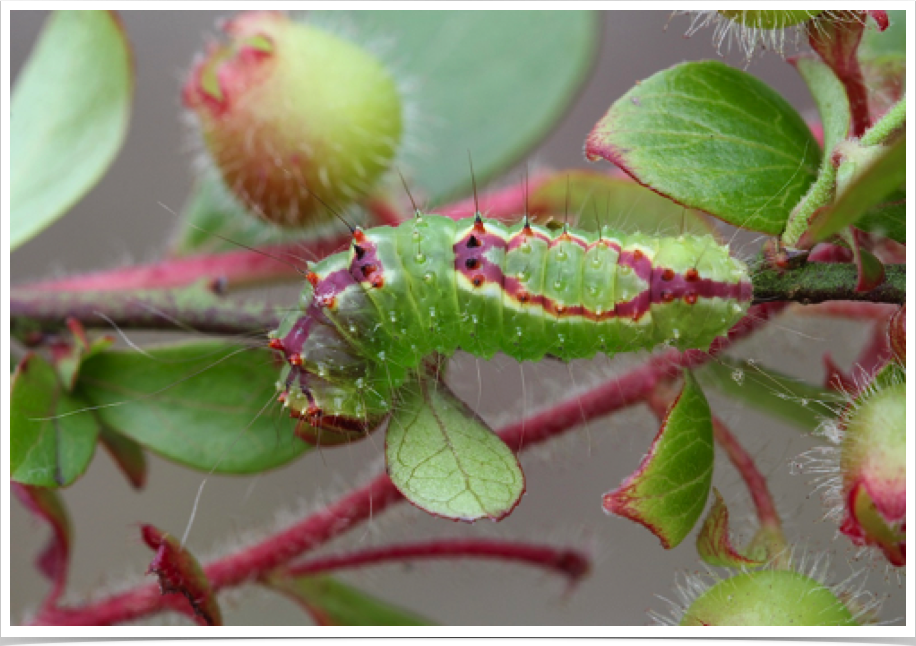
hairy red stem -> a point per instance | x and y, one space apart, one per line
755 481
227 270
254 561
570 563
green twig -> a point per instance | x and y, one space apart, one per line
821 282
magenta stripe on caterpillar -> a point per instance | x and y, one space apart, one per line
371 314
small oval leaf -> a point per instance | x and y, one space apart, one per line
668 491
446 460
713 138
203 404
68 117
52 432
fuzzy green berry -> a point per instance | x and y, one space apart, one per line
873 467
293 116
769 19
768 598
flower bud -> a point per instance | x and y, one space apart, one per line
292 116
873 467
768 598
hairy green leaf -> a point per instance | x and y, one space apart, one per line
52 432
68 117
714 138
887 219
127 454
332 603
207 404
447 461
668 491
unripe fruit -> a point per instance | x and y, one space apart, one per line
873 467
292 116
768 598
768 18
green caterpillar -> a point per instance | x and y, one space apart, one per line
369 315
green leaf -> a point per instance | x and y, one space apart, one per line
668 491
890 41
52 434
127 454
867 177
712 138
713 542
463 101
204 404
887 219
447 461
596 199
792 400
332 603
68 117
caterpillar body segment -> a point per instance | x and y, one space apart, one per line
371 314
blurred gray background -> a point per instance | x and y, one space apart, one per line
121 221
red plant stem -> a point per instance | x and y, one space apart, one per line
227 270
755 481
503 204
254 561
856 311
570 563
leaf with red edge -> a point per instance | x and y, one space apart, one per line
713 138
127 454
713 542
180 573
668 491
54 559
332 603
446 460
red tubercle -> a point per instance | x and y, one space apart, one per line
275 344
690 298
692 275
295 359
668 275
313 278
